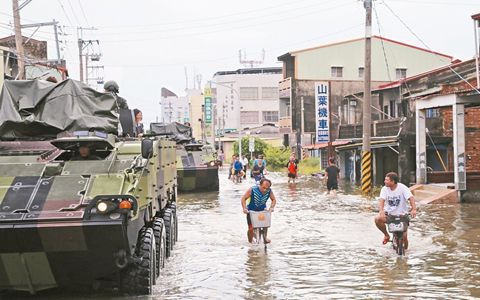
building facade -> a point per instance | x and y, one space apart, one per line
395 132
245 98
173 108
341 66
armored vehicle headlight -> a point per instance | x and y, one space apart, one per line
212 163
102 206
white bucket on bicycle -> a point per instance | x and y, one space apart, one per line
260 218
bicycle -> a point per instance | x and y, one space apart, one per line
397 226
261 220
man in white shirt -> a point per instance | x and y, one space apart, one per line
393 201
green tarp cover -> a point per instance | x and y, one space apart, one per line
181 133
37 109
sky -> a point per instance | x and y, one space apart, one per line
148 44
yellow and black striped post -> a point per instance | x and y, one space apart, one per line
366 173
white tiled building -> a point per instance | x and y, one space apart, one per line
173 108
246 98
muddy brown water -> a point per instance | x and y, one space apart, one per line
323 247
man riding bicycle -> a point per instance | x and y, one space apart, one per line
259 196
393 202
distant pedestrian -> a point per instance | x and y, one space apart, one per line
245 166
231 170
139 131
292 168
221 158
332 175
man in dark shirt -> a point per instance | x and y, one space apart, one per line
332 174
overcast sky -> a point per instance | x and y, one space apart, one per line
147 45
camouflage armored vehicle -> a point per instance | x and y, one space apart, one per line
68 218
197 168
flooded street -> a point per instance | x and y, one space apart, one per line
322 247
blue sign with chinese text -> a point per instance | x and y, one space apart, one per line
322 115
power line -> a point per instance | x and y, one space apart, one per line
455 3
216 24
247 12
225 29
65 12
383 45
83 12
426 46
73 12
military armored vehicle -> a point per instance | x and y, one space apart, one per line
197 167
70 219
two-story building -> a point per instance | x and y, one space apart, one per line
396 131
340 66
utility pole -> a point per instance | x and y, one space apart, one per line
18 40
367 113
82 44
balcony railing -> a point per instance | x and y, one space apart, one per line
380 128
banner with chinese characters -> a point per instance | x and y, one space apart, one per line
322 114
208 105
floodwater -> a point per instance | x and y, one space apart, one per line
322 247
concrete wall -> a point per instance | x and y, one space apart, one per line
195 100
229 106
306 89
317 62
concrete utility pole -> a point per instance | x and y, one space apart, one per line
38 25
367 112
18 41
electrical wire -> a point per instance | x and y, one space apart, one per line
83 12
216 24
383 45
427 47
247 12
65 12
73 12
224 29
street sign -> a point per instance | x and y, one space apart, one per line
322 113
251 145
208 105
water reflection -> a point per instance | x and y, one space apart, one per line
257 271
323 247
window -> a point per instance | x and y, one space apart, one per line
361 72
249 117
270 93
432 113
337 72
400 73
270 116
392 109
248 93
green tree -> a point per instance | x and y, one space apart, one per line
277 158
260 147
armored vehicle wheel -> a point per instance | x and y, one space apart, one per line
168 218
175 235
139 277
160 243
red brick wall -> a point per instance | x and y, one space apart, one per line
472 135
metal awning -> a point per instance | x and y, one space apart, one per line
325 145
373 145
